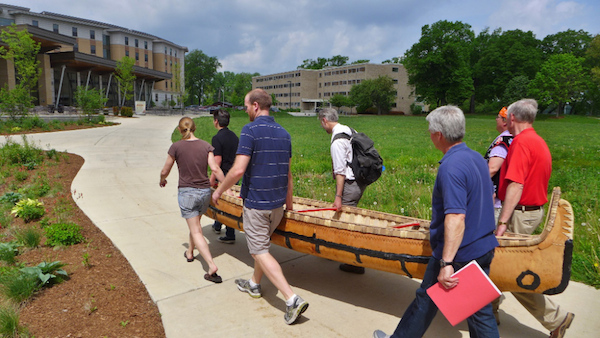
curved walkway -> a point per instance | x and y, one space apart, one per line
120 194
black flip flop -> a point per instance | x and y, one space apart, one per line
188 259
213 278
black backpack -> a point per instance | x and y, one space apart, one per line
366 163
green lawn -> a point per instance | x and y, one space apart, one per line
411 164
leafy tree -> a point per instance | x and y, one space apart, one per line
16 102
395 59
200 70
569 41
360 61
339 100
89 100
320 63
515 90
337 61
438 65
379 92
499 57
22 50
592 55
560 80
125 77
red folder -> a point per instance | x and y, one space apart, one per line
474 291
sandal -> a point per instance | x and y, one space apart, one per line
213 278
188 259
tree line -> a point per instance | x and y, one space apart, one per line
451 65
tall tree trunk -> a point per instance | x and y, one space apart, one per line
472 104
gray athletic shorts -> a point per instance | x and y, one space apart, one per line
193 202
258 226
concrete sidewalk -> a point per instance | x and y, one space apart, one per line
120 194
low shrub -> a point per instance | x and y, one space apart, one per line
127 111
21 175
18 286
47 273
8 252
9 322
63 234
29 237
15 153
29 209
11 198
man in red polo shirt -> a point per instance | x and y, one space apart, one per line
523 189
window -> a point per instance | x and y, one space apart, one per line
175 53
165 50
35 23
55 28
146 57
126 53
74 31
126 41
395 69
136 43
76 47
93 49
145 44
170 51
395 81
92 34
137 56
156 97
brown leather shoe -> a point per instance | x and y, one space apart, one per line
560 331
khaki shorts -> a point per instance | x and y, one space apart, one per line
525 222
258 226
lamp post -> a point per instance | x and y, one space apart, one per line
290 85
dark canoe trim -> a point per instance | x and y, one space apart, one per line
402 258
238 220
567 260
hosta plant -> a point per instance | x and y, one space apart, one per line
29 209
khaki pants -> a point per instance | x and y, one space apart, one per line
547 312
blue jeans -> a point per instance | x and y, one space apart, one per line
422 310
229 232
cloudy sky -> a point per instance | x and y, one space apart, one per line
270 36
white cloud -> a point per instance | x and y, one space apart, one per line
269 36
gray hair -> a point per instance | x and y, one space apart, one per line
329 113
448 120
524 110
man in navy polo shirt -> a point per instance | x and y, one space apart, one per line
462 225
264 160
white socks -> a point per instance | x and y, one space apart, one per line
290 301
251 282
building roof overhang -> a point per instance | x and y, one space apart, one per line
86 62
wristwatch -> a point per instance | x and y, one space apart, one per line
443 263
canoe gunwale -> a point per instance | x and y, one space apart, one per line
417 232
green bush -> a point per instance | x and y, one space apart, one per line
33 122
39 187
127 111
21 175
63 234
29 209
15 153
416 109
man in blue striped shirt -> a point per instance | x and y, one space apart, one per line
264 160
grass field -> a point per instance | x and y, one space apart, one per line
411 163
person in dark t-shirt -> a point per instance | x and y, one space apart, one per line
225 143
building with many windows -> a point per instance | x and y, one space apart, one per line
308 89
79 52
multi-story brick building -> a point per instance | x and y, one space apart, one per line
308 89
79 52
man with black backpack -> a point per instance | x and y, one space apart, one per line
349 187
